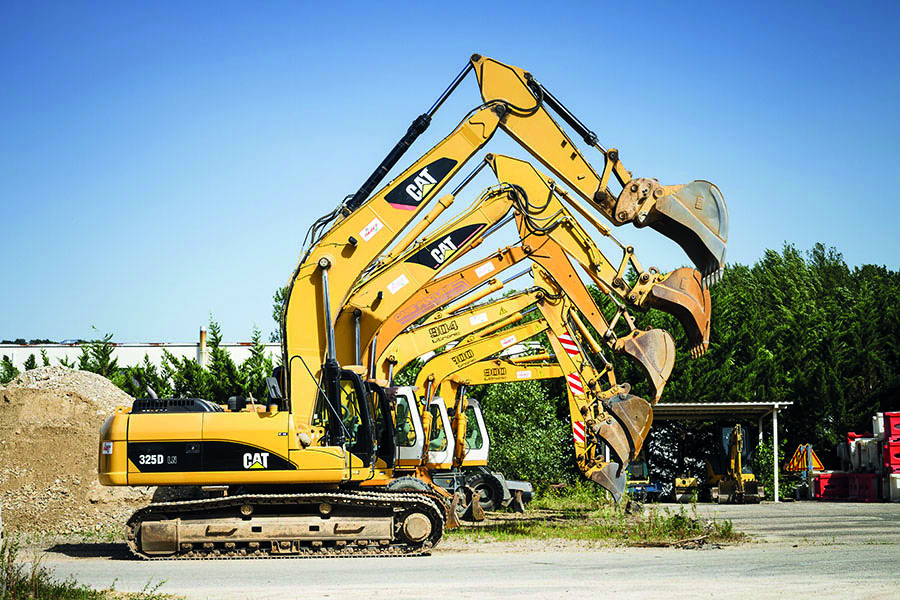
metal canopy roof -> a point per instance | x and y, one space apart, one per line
711 411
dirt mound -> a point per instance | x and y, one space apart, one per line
50 420
97 388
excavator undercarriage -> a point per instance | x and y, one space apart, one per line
345 523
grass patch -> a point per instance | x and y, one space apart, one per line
30 580
582 514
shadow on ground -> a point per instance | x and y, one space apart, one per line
96 550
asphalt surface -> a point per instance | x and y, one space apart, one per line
799 550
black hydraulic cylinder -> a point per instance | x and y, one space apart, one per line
415 130
580 128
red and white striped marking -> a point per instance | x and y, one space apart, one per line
578 431
575 384
568 344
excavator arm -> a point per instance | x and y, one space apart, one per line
679 293
319 286
394 281
693 215
653 350
613 416
484 318
471 350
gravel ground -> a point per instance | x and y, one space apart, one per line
799 550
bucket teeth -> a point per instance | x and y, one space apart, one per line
635 415
654 352
682 294
610 477
713 278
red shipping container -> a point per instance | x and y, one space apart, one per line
891 455
864 487
832 486
891 425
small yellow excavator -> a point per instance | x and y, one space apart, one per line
731 480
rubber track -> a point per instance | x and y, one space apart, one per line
429 502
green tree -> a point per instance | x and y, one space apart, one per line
8 370
277 307
224 378
97 357
30 363
256 368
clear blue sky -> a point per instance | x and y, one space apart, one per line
162 161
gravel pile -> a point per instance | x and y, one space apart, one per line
95 387
50 422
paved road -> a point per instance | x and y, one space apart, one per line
813 522
804 550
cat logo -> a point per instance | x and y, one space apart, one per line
443 251
436 253
420 185
409 193
257 460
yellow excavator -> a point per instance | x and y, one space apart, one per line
293 466
730 480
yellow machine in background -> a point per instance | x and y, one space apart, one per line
732 481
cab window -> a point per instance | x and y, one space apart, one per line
350 412
406 431
474 439
438 437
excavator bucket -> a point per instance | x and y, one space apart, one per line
693 215
610 477
635 414
654 352
614 435
681 293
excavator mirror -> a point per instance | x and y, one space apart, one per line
273 393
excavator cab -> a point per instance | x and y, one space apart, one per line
409 433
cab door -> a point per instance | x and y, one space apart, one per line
410 436
440 448
478 442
